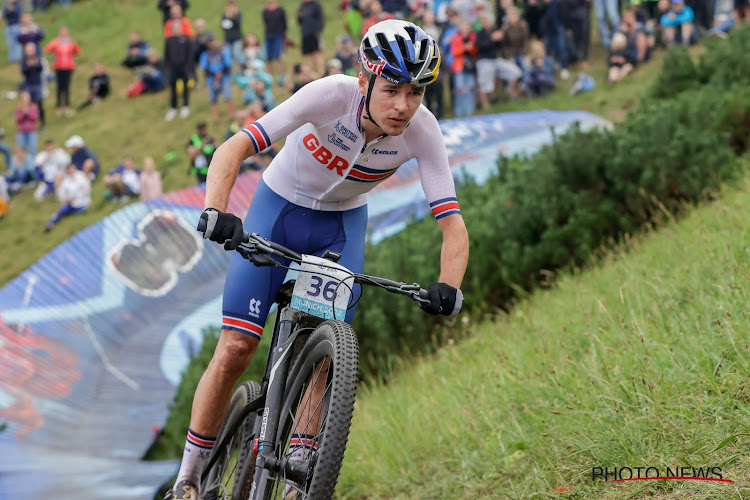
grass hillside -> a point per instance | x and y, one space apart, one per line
639 361
121 126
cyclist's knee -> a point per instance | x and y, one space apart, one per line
235 351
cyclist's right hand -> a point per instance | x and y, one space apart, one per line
223 227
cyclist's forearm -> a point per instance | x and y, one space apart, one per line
454 255
222 173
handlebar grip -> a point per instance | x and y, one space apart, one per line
202 225
424 294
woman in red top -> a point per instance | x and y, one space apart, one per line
463 68
65 49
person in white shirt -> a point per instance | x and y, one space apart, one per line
50 164
124 181
74 192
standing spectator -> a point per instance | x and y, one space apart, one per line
165 6
555 39
398 8
377 14
65 49
178 58
346 52
576 17
274 24
98 86
82 157
433 93
200 149
516 37
539 74
27 116
464 51
137 52
231 23
200 44
678 25
311 21
150 180
32 69
12 16
217 65
470 10
490 66
607 19
533 13
74 192
124 181
353 19
30 32
49 164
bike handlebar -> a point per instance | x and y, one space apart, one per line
264 247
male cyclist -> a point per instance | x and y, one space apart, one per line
344 136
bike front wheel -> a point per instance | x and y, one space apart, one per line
317 410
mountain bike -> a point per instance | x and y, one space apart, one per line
308 387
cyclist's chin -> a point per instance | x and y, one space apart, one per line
394 128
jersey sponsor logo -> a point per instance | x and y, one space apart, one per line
254 307
374 68
336 141
381 152
341 129
324 155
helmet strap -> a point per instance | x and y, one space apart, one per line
367 100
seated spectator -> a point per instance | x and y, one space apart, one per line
490 66
150 180
639 41
49 164
302 75
151 77
620 58
724 19
4 149
244 76
333 67
137 54
258 91
539 74
677 24
200 149
74 192
216 62
123 182
346 52
251 51
98 86
82 157
19 174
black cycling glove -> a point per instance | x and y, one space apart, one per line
444 299
223 227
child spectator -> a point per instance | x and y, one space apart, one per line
65 49
27 116
178 58
464 51
639 41
311 21
137 52
49 164
346 52
30 32
12 16
82 157
151 78
490 66
274 23
33 71
98 86
231 23
123 182
539 75
677 24
620 58
150 180
74 192
200 149
217 64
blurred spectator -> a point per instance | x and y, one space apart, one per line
576 17
470 10
251 51
165 6
639 42
123 182
27 116
620 58
98 86
723 18
200 149
20 175
347 54
4 197
555 39
539 74
303 75
200 44
216 62
33 74
65 49
463 68
244 77
4 149
516 37
238 122
433 93
533 13
377 14
677 24
82 157
353 19
231 23
607 19
333 67
274 24
398 8
490 66
12 16
259 92
311 20
150 180
30 32
151 77
74 192
137 52
650 8
741 11
49 165
178 59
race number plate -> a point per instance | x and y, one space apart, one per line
323 288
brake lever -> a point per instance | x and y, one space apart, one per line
259 259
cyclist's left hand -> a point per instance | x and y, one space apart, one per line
444 299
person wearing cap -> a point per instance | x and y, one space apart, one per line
216 62
344 136
346 52
82 157
200 149
677 24
333 67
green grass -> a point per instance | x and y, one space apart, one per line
641 360
121 126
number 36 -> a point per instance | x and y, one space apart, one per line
329 289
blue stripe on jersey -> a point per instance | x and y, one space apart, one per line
442 200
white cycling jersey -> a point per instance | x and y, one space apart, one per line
326 164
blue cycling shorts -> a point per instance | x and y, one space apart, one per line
250 291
